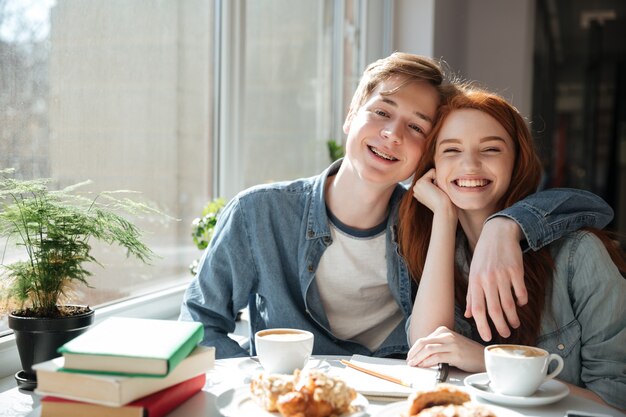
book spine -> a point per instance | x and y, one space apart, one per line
161 405
185 349
59 407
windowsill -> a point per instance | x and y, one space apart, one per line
159 305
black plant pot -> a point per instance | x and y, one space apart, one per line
38 339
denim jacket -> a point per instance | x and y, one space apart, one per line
584 319
268 243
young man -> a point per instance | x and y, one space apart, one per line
321 254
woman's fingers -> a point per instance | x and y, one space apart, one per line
425 347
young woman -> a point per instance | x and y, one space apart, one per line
479 159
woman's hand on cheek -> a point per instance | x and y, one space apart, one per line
429 194
446 346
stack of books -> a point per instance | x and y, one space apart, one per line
125 367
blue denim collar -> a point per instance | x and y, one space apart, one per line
317 219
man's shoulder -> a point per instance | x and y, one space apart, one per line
298 186
277 193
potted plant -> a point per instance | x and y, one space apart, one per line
55 229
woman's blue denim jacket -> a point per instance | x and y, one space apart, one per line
268 243
584 319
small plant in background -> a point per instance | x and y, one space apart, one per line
335 150
202 227
56 229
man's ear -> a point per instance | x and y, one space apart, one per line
348 122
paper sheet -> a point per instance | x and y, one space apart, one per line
371 386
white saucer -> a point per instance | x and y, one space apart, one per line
399 408
252 366
238 402
549 392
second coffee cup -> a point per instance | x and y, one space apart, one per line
283 350
519 370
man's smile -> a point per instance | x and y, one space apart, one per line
382 154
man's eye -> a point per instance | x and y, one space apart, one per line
417 129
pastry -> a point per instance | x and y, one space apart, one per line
444 394
444 401
266 388
303 394
452 410
316 394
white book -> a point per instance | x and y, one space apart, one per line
116 390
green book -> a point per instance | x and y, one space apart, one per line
132 346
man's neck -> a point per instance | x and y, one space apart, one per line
355 203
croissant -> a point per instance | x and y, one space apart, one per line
316 394
267 388
444 401
453 410
301 404
444 394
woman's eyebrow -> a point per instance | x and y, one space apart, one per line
490 138
451 140
482 140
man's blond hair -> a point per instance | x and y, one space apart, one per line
414 67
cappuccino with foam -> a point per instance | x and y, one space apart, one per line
283 334
517 350
519 370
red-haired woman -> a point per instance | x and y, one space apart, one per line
480 159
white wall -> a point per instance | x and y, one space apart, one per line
450 44
500 48
490 41
414 26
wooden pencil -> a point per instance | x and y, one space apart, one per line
376 374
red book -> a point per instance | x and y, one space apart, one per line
154 405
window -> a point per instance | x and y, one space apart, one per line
288 69
181 100
117 92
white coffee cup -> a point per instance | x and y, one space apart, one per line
283 350
519 370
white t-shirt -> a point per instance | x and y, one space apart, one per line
352 282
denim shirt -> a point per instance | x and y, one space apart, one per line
584 319
266 248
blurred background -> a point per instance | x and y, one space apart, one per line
190 100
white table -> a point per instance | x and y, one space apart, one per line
232 373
